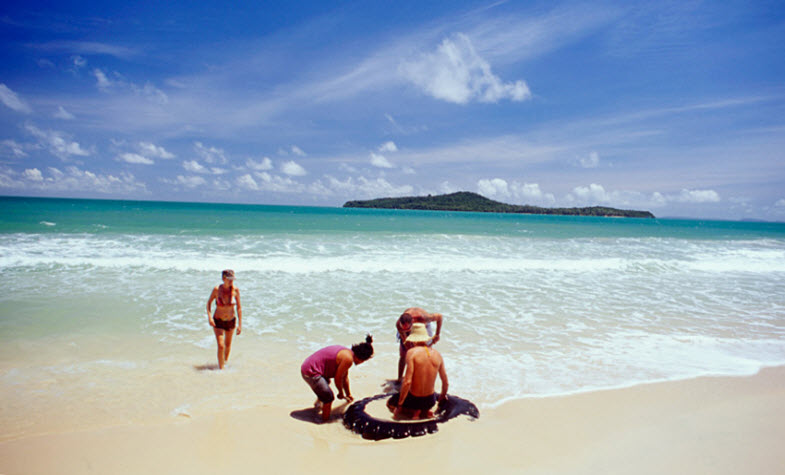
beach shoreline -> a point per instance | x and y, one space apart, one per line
717 424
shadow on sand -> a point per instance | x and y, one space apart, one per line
206 367
314 416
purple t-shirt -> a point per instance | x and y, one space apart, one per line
322 363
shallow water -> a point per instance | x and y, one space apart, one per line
103 322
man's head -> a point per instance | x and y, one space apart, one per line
405 321
418 336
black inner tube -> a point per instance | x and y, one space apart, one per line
360 422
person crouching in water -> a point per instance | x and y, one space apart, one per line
334 362
404 325
226 297
417 395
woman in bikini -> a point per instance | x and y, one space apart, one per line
226 297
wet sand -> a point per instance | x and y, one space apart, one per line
712 425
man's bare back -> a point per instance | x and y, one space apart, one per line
424 363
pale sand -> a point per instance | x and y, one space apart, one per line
707 425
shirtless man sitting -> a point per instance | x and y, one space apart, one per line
417 396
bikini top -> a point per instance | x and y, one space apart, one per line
220 301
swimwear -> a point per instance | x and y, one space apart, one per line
219 300
414 403
227 325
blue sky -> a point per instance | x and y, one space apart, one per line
673 107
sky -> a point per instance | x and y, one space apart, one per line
673 107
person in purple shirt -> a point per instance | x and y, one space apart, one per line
334 362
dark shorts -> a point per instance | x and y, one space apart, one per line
227 325
320 386
415 403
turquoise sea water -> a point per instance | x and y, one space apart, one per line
104 301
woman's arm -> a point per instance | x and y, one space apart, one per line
209 304
345 361
239 310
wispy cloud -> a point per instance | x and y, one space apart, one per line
292 168
380 161
63 114
456 73
13 101
58 143
210 154
87 48
17 150
135 158
156 151
72 179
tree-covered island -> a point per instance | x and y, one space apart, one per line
468 201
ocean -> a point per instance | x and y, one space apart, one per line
102 317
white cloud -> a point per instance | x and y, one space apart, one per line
456 73
13 101
73 179
217 171
446 187
16 149
366 188
210 154
593 193
57 142
528 193
78 61
495 187
247 182
152 150
87 47
269 182
102 81
150 92
780 203
135 158
63 114
293 169
33 174
188 181
264 164
298 151
388 147
697 196
194 167
589 161
380 161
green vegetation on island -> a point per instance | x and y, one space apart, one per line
468 201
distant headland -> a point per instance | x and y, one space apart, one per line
468 201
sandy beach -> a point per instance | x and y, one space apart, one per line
707 425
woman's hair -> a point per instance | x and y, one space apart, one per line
363 351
